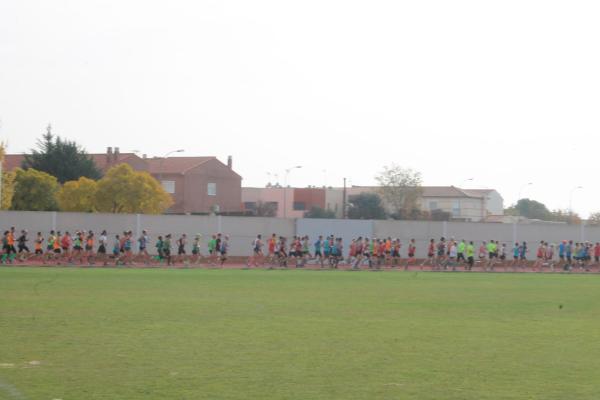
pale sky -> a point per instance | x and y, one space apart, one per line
504 92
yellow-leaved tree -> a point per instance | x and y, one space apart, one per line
34 191
8 189
123 190
79 195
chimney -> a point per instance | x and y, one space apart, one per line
108 156
230 162
116 154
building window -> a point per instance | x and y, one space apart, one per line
433 205
211 189
456 208
250 205
299 206
273 204
169 186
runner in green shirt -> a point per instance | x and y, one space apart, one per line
212 246
461 251
470 250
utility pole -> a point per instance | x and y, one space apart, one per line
344 201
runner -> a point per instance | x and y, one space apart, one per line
282 255
412 251
143 241
441 253
470 252
77 248
57 247
196 249
358 253
257 253
212 249
460 251
38 248
160 249
272 247
65 243
523 254
318 245
395 252
89 248
181 254
116 251
482 255
430 254
224 249
23 250
102 244
166 247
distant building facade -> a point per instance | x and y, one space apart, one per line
472 205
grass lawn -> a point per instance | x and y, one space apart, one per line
69 333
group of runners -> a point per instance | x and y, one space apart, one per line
85 248
442 254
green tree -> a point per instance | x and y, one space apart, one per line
123 190
34 191
365 206
64 159
530 209
401 189
79 195
318 212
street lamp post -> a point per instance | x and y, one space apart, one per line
287 172
464 181
571 202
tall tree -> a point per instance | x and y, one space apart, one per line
64 159
123 190
366 206
34 191
401 189
79 195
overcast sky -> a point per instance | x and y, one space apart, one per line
504 92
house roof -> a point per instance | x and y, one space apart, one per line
101 159
156 165
174 165
445 191
12 161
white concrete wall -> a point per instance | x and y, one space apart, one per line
243 230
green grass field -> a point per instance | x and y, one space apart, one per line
80 334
